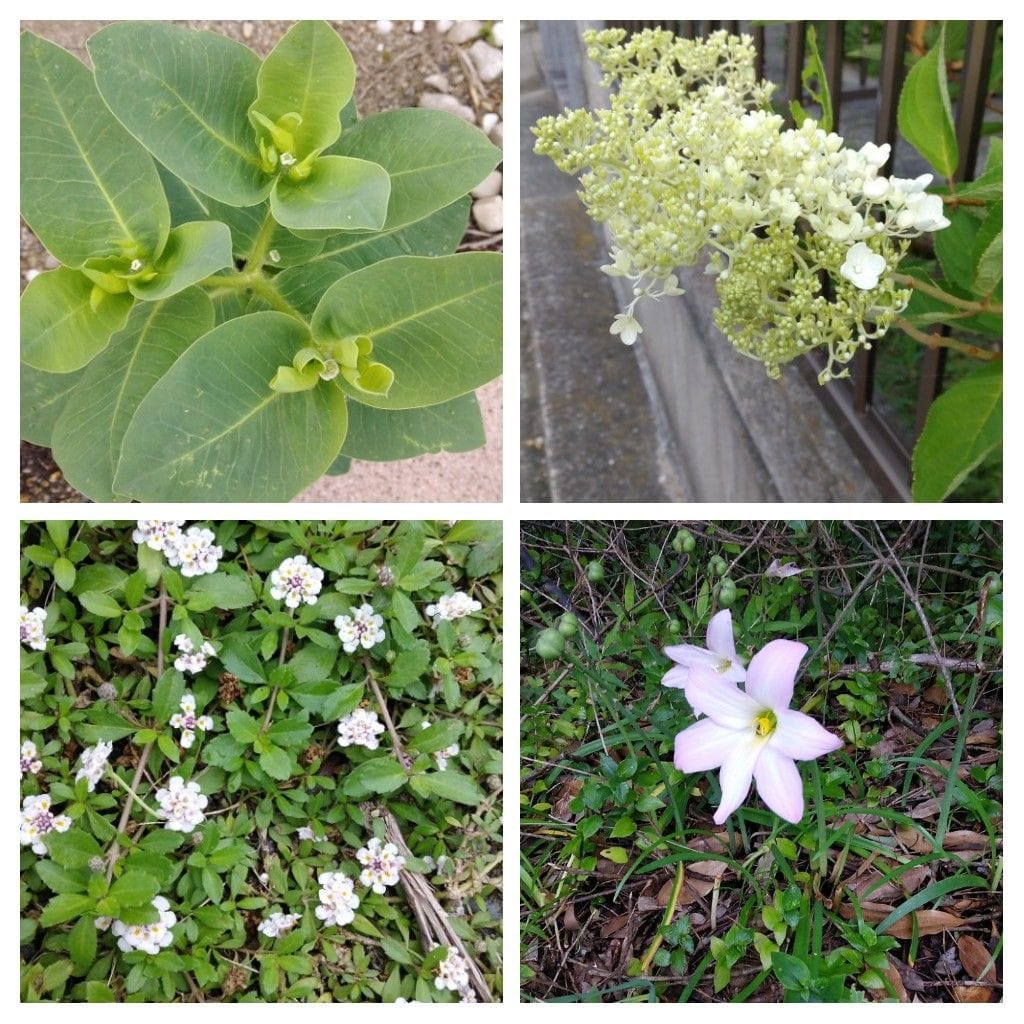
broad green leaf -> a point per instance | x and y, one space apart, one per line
64 573
242 727
185 96
100 604
432 157
410 666
436 736
65 907
276 763
99 992
954 246
341 701
241 661
57 879
82 944
60 331
435 322
376 777
193 251
134 888
310 72
924 114
454 786
43 397
185 202
290 732
990 184
340 192
964 425
213 429
87 187
987 255
303 287
225 590
340 466
88 433
382 435
167 694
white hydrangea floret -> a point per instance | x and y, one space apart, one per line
30 758
38 821
33 627
195 552
181 804
189 659
381 864
338 899
188 721
453 606
360 728
278 924
362 629
862 267
94 763
296 582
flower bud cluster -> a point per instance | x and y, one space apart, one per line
691 161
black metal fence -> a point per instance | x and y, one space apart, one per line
856 405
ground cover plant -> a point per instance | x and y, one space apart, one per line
261 761
873 874
256 285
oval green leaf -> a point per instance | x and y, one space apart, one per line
340 192
193 251
310 73
213 429
185 96
88 434
435 322
383 435
43 397
87 187
60 331
432 157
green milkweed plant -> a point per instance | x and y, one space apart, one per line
255 285
807 240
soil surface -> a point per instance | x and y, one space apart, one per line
391 69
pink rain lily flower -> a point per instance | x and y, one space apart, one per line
753 734
718 658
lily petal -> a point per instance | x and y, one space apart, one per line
772 672
721 701
736 774
720 638
779 784
705 745
676 677
800 737
689 654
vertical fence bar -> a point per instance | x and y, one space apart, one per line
890 81
795 54
758 34
981 40
832 58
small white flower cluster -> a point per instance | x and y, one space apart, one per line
94 763
452 606
296 581
381 864
278 924
187 721
441 756
189 659
181 804
452 973
33 628
338 899
38 821
360 728
305 832
30 758
193 550
158 534
147 938
361 629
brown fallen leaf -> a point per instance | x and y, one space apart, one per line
904 884
569 920
615 925
964 839
972 994
564 794
913 841
935 695
708 868
929 922
975 957
925 809
896 980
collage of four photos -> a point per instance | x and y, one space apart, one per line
746 754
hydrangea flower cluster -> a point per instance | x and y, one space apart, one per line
381 864
195 552
38 821
158 534
338 899
278 924
93 762
452 606
361 629
181 804
189 659
691 160
30 758
187 721
452 973
148 938
33 628
360 728
296 582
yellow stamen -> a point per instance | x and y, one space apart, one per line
764 723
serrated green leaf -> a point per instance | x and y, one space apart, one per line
193 252
409 666
76 158
213 428
242 727
924 114
228 591
341 192
240 660
65 907
100 604
436 737
276 763
341 701
60 330
185 95
290 732
453 785
987 255
964 425
134 888
378 776
58 879
167 695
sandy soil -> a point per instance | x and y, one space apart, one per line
391 70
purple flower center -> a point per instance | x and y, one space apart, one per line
188 722
43 821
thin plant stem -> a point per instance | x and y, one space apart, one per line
943 296
282 654
265 289
135 796
670 912
262 243
400 753
939 341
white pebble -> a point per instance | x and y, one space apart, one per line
488 60
488 121
247 29
497 135
464 31
417 26
498 33
384 27
488 213
443 26
442 101
490 186
32 274
438 82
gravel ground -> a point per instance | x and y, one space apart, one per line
391 67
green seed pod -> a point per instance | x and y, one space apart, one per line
718 566
675 626
568 624
595 572
550 644
727 596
